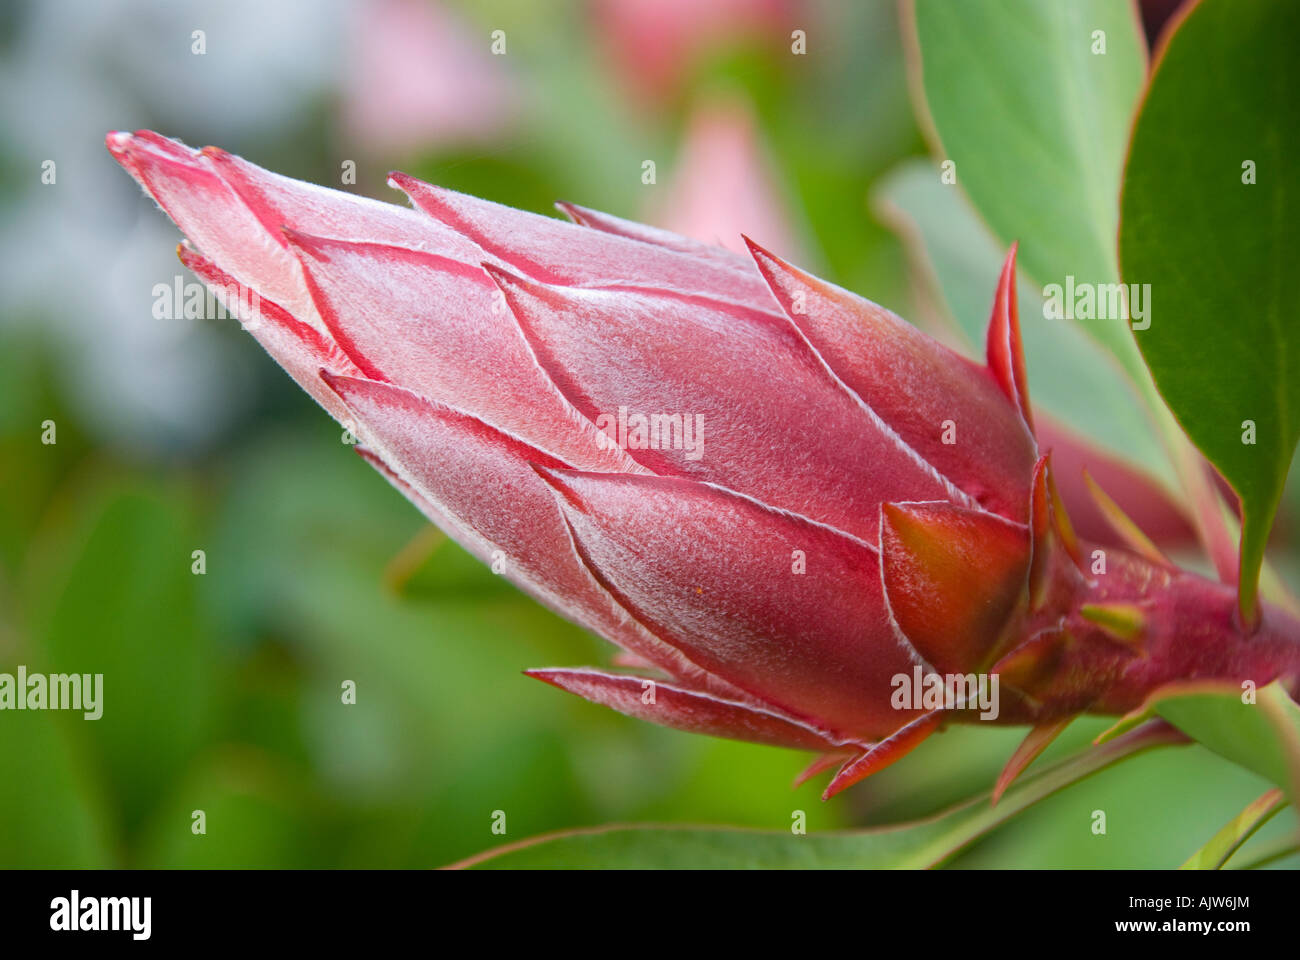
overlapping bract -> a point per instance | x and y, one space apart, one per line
863 499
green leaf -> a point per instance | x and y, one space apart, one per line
921 844
1235 832
1263 736
120 601
53 808
1223 345
1035 122
1273 855
257 813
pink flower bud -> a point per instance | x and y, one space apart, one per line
781 500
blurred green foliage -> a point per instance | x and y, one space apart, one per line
223 691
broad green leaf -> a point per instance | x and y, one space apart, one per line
120 601
1211 221
1282 853
1235 832
1070 376
926 843
257 812
52 808
1035 118
1158 808
1262 735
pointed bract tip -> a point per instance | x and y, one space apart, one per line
346 388
191 259
205 268
761 253
548 675
122 143
892 512
121 147
1003 349
574 212
1064 527
217 154
409 185
823 762
350 389
568 679
782 277
502 276
545 473
1035 742
1006 277
556 479
514 285
1009 262
885 753
117 141
1121 523
508 282
308 244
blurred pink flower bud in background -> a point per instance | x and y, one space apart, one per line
420 78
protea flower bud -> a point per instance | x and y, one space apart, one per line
775 496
